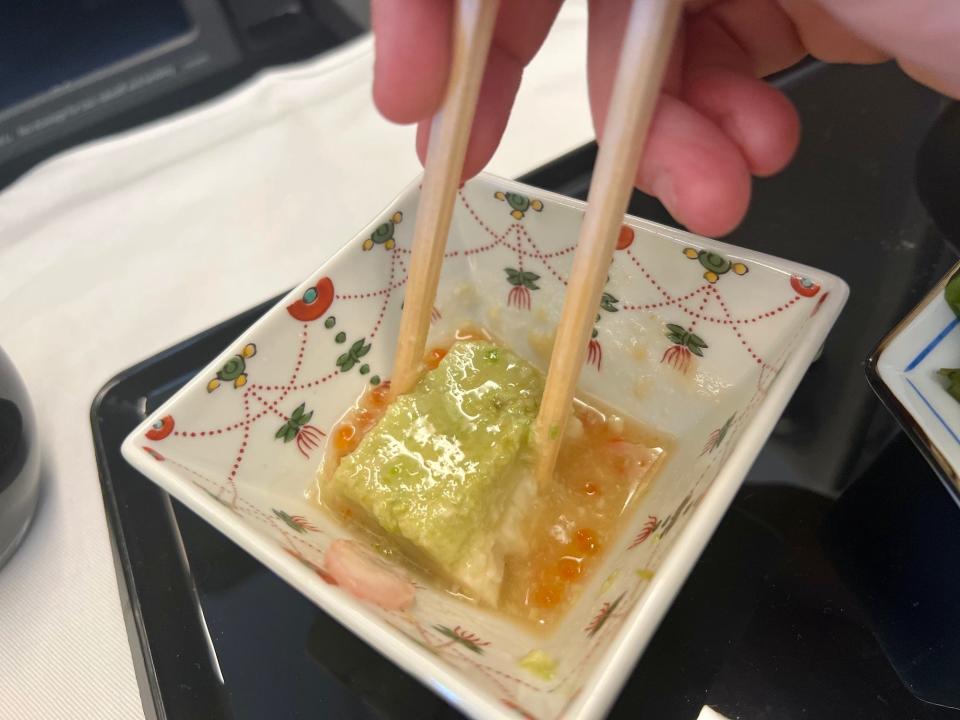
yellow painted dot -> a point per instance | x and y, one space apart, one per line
538 663
611 579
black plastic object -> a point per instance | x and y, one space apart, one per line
766 626
19 460
938 173
173 66
895 544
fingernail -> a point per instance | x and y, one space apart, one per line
663 189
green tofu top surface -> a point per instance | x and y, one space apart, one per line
434 469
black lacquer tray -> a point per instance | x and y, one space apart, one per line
829 590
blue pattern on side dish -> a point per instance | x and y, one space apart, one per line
931 345
933 410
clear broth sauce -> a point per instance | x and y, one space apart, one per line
605 464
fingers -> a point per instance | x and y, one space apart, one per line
688 162
758 119
718 82
716 126
412 46
694 169
501 80
764 36
605 26
922 36
825 38
520 31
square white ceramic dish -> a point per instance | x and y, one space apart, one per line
903 371
696 338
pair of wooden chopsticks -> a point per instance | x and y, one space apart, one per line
643 58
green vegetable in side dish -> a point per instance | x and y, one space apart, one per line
952 296
953 378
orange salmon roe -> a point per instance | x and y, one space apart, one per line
586 541
378 396
547 593
344 438
569 567
434 357
591 489
365 418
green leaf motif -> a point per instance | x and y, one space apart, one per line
679 336
609 303
468 640
522 278
695 344
298 418
294 522
351 357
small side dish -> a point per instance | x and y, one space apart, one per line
914 370
700 341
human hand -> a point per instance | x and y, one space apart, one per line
717 123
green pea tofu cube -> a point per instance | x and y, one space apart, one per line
444 471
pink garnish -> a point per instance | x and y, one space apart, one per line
367 577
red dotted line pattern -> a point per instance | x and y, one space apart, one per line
522 235
386 299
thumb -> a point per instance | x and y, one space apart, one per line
921 34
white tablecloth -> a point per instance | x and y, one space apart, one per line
115 251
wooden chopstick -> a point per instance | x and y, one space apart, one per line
473 25
647 43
